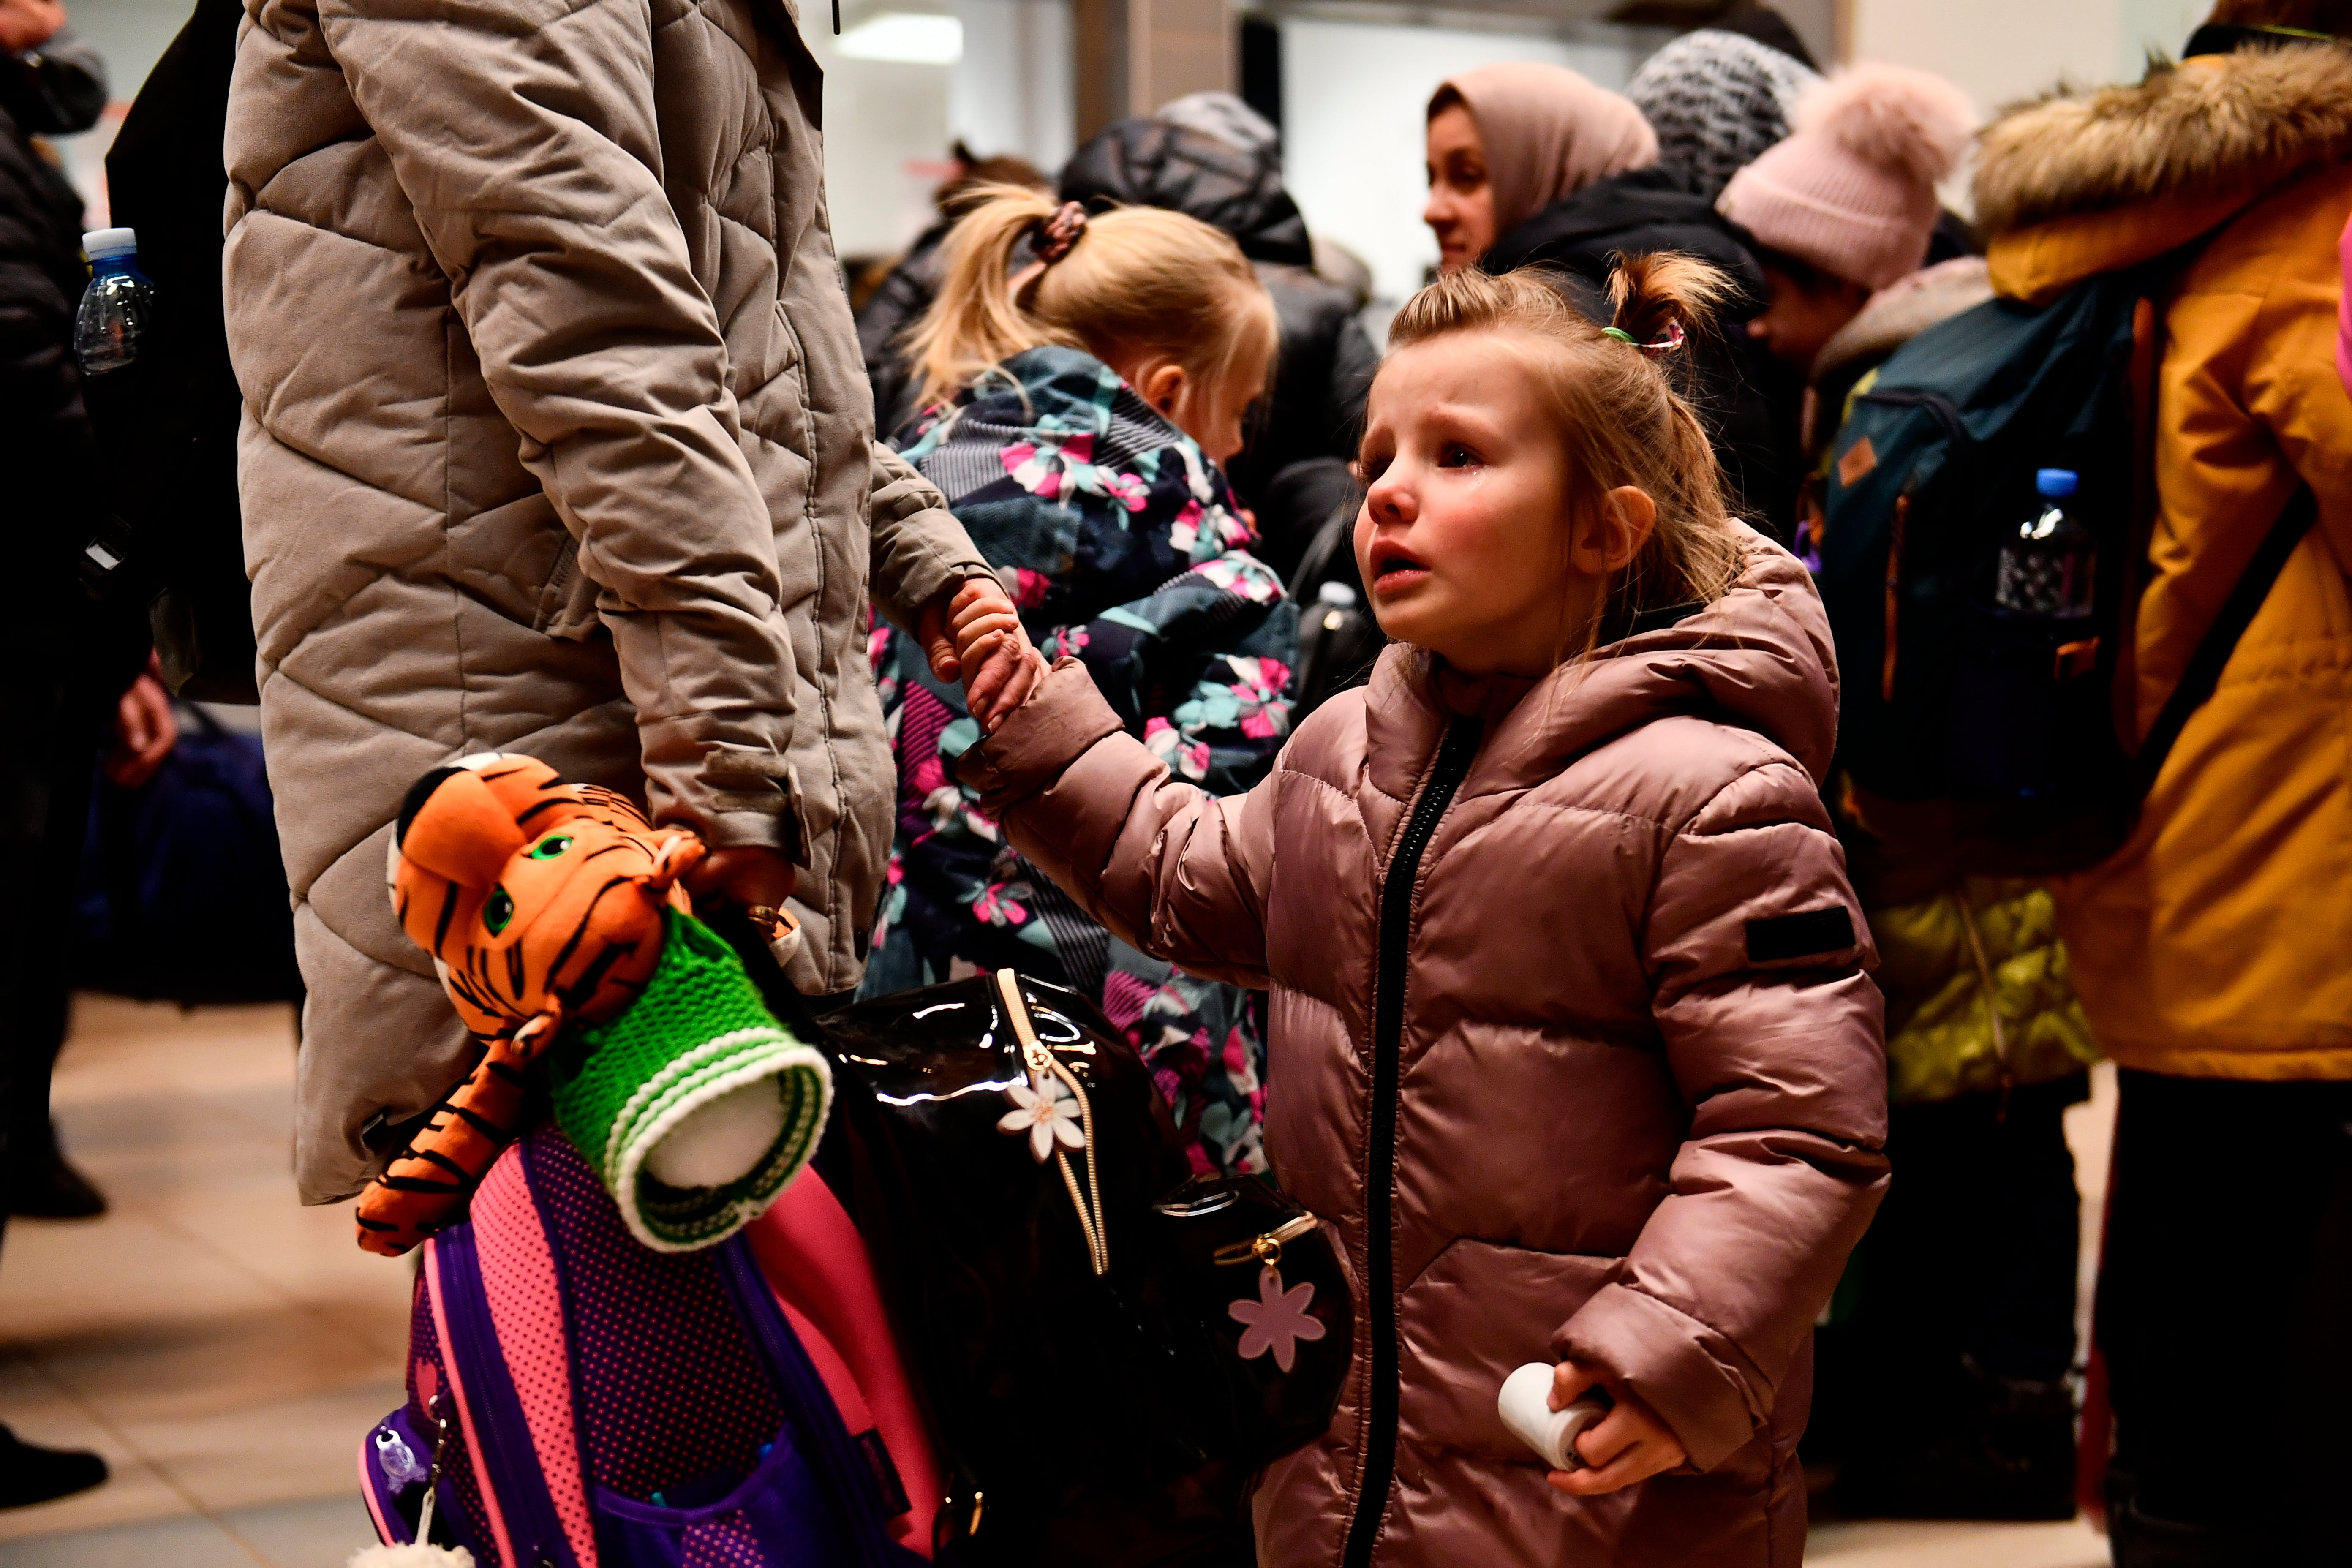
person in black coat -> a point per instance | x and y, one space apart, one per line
1751 403
1293 470
68 658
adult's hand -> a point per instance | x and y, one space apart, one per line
1630 1444
29 24
145 730
748 875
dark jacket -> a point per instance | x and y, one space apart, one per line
1750 402
898 302
167 426
1314 406
51 493
47 455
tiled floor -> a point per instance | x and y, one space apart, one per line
225 1348
222 1346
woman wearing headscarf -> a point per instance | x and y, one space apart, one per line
1507 141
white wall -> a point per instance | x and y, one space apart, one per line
888 126
1353 95
1012 91
1354 103
886 137
2001 52
2004 50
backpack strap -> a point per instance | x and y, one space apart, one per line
2204 671
514 1487
847 1467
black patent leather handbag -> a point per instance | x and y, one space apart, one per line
1111 1351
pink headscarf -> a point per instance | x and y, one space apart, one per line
1549 134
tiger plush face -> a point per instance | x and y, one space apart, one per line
534 895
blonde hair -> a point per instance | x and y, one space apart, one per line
1136 279
1616 411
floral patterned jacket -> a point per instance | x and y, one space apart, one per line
1123 547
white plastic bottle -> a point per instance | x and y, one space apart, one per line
119 306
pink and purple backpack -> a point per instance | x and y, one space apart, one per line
594 1403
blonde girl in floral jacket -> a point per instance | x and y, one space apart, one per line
1085 380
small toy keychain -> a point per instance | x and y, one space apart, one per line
420 1552
1280 1318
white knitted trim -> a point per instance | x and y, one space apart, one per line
677 1070
787 1058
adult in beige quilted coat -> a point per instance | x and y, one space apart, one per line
557 440
1599 1079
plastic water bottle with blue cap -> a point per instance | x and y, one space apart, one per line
118 308
2046 567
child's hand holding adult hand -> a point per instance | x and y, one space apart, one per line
939 626
999 666
1629 1444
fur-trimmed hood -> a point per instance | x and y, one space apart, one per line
2213 125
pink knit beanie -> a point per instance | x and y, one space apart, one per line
1852 191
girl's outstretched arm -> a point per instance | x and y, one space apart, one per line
1176 872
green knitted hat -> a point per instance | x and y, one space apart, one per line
695 1106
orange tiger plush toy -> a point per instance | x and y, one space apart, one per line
555 919
487 875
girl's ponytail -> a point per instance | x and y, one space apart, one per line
1653 295
975 323
1124 281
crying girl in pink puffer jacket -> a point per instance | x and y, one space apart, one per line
1571 1043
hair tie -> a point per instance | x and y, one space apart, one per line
1671 341
1050 239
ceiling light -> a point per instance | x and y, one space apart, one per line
909 37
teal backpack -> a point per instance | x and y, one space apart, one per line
1996 732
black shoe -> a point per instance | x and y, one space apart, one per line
29 1475
2007 1453
45 1187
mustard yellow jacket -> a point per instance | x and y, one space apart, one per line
2218 941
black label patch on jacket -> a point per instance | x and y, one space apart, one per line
1799 935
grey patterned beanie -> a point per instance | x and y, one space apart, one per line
1717 100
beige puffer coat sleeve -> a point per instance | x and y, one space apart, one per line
920 550
1175 871
1782 1166
525 136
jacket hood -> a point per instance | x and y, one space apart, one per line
1158 163
1902 311
1643 211
1760 657
2213 129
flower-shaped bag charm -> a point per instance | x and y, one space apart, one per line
1279 1318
